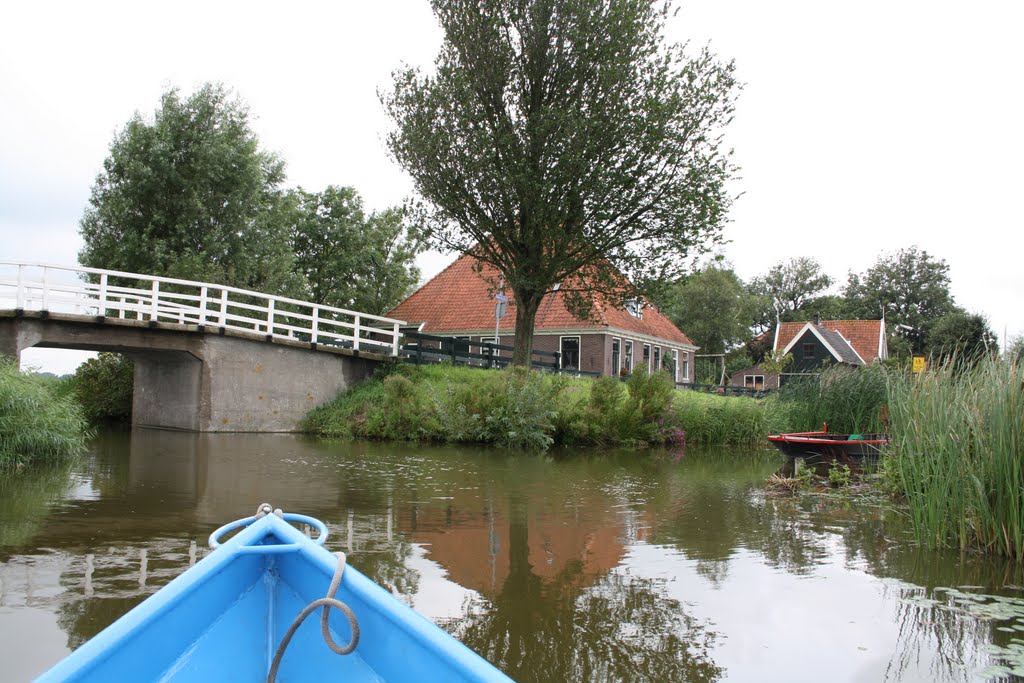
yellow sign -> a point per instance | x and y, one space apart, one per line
919 364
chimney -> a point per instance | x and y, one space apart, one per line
817 318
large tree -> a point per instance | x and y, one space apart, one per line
791 288
713 307
910 286
563 142
190 194
351 260
962 336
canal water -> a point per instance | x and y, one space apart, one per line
582 566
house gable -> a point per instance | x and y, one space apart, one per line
867 338
813 344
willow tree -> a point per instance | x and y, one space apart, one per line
565 142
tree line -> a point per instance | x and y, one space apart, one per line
909 287
190 193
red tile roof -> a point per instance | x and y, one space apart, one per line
863 335
457 300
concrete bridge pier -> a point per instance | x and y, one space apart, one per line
199 379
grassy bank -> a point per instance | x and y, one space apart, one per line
958 455
511 408
36 423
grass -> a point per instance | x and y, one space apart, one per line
534 410
958 455
36 423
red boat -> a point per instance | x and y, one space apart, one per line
825 447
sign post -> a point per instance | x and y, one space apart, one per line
500 309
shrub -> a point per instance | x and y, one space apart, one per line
103 387
36 424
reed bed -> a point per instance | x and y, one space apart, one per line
36 423
958 455
848 399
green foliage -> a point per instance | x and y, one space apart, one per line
36 424
790 288
189 194
848 399
564 142
350 260
713 306
839 475
965 337
910 286
103 387
957 455
534 410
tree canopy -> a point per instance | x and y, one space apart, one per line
910 286
348 259
713 307
564 143
962 336
190 194
791 288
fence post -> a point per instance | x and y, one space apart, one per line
223 308
20 304
451 343
394 347
558 361
202 305
154 309
46 291
355 334
270 318
103 295
315 328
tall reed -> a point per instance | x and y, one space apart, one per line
958 455
36 424
848 399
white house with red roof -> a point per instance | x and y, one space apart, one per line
458 302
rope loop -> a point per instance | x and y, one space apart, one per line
327 603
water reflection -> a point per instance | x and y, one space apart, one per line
602 568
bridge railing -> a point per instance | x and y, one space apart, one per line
111 293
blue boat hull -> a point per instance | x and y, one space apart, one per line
223 619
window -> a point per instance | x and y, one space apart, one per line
615 357
634 307
753 381
627 361
808 351
675 365
686 368
657 358
570 350
647 357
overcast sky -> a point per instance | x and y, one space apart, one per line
862 128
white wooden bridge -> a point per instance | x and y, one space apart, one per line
208 357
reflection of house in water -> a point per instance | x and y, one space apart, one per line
480 547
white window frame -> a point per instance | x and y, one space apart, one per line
579 351
649 355
656 358
675 365
635 307
628 356
753 385
686 368
616 357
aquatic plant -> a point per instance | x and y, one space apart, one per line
848 399
957 454
36 424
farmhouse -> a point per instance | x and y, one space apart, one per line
459 303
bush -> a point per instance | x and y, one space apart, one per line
103 386
36 424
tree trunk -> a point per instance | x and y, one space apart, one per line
526 315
